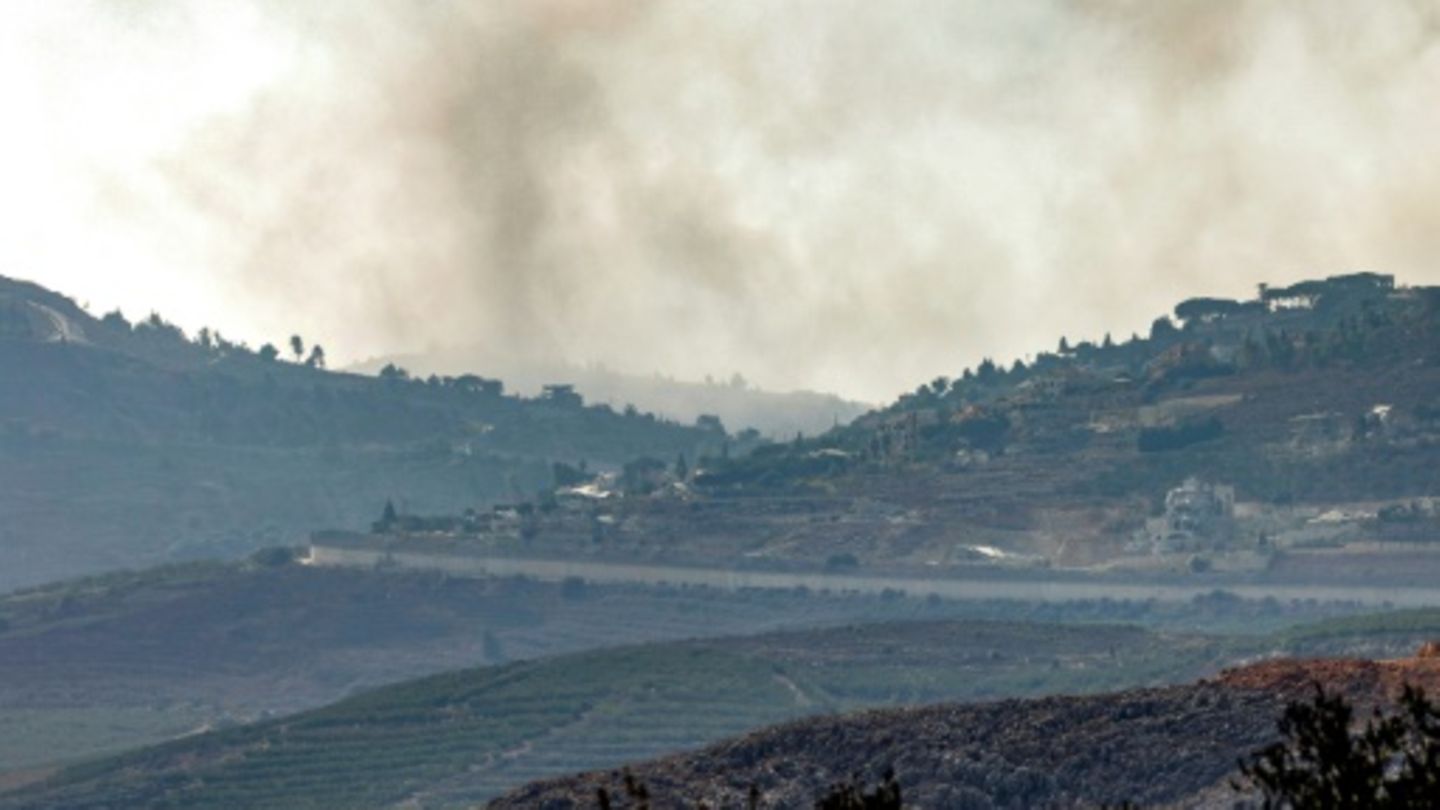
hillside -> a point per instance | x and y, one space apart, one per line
460 737
1320 392
1294 437
124 444
1175 746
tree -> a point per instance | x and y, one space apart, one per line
565 475
1393 762
643 475
297 347
317 357
710 422
852 795
388 517
1207 309
116 320
157 327
268 352
1162 327
983 430
494 651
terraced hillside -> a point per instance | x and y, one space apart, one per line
455 739
462 737
458 738
109 663
1319 396
112 662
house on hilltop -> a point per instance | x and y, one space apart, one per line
563 395
1199 516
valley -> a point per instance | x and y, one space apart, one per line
665 405
576 588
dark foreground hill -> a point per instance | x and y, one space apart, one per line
1174 746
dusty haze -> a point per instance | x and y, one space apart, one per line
836 194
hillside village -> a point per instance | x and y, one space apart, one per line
1294 433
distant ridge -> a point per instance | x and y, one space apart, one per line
776 415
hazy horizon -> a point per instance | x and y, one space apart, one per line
837 195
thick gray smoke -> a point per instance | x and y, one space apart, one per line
839 194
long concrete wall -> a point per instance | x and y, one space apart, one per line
1026 590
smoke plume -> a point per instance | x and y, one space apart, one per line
837 194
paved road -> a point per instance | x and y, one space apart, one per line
1034 590
65 331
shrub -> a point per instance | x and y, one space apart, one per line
853 796
275 557
573 588
1393 762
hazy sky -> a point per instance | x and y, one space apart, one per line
841 194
